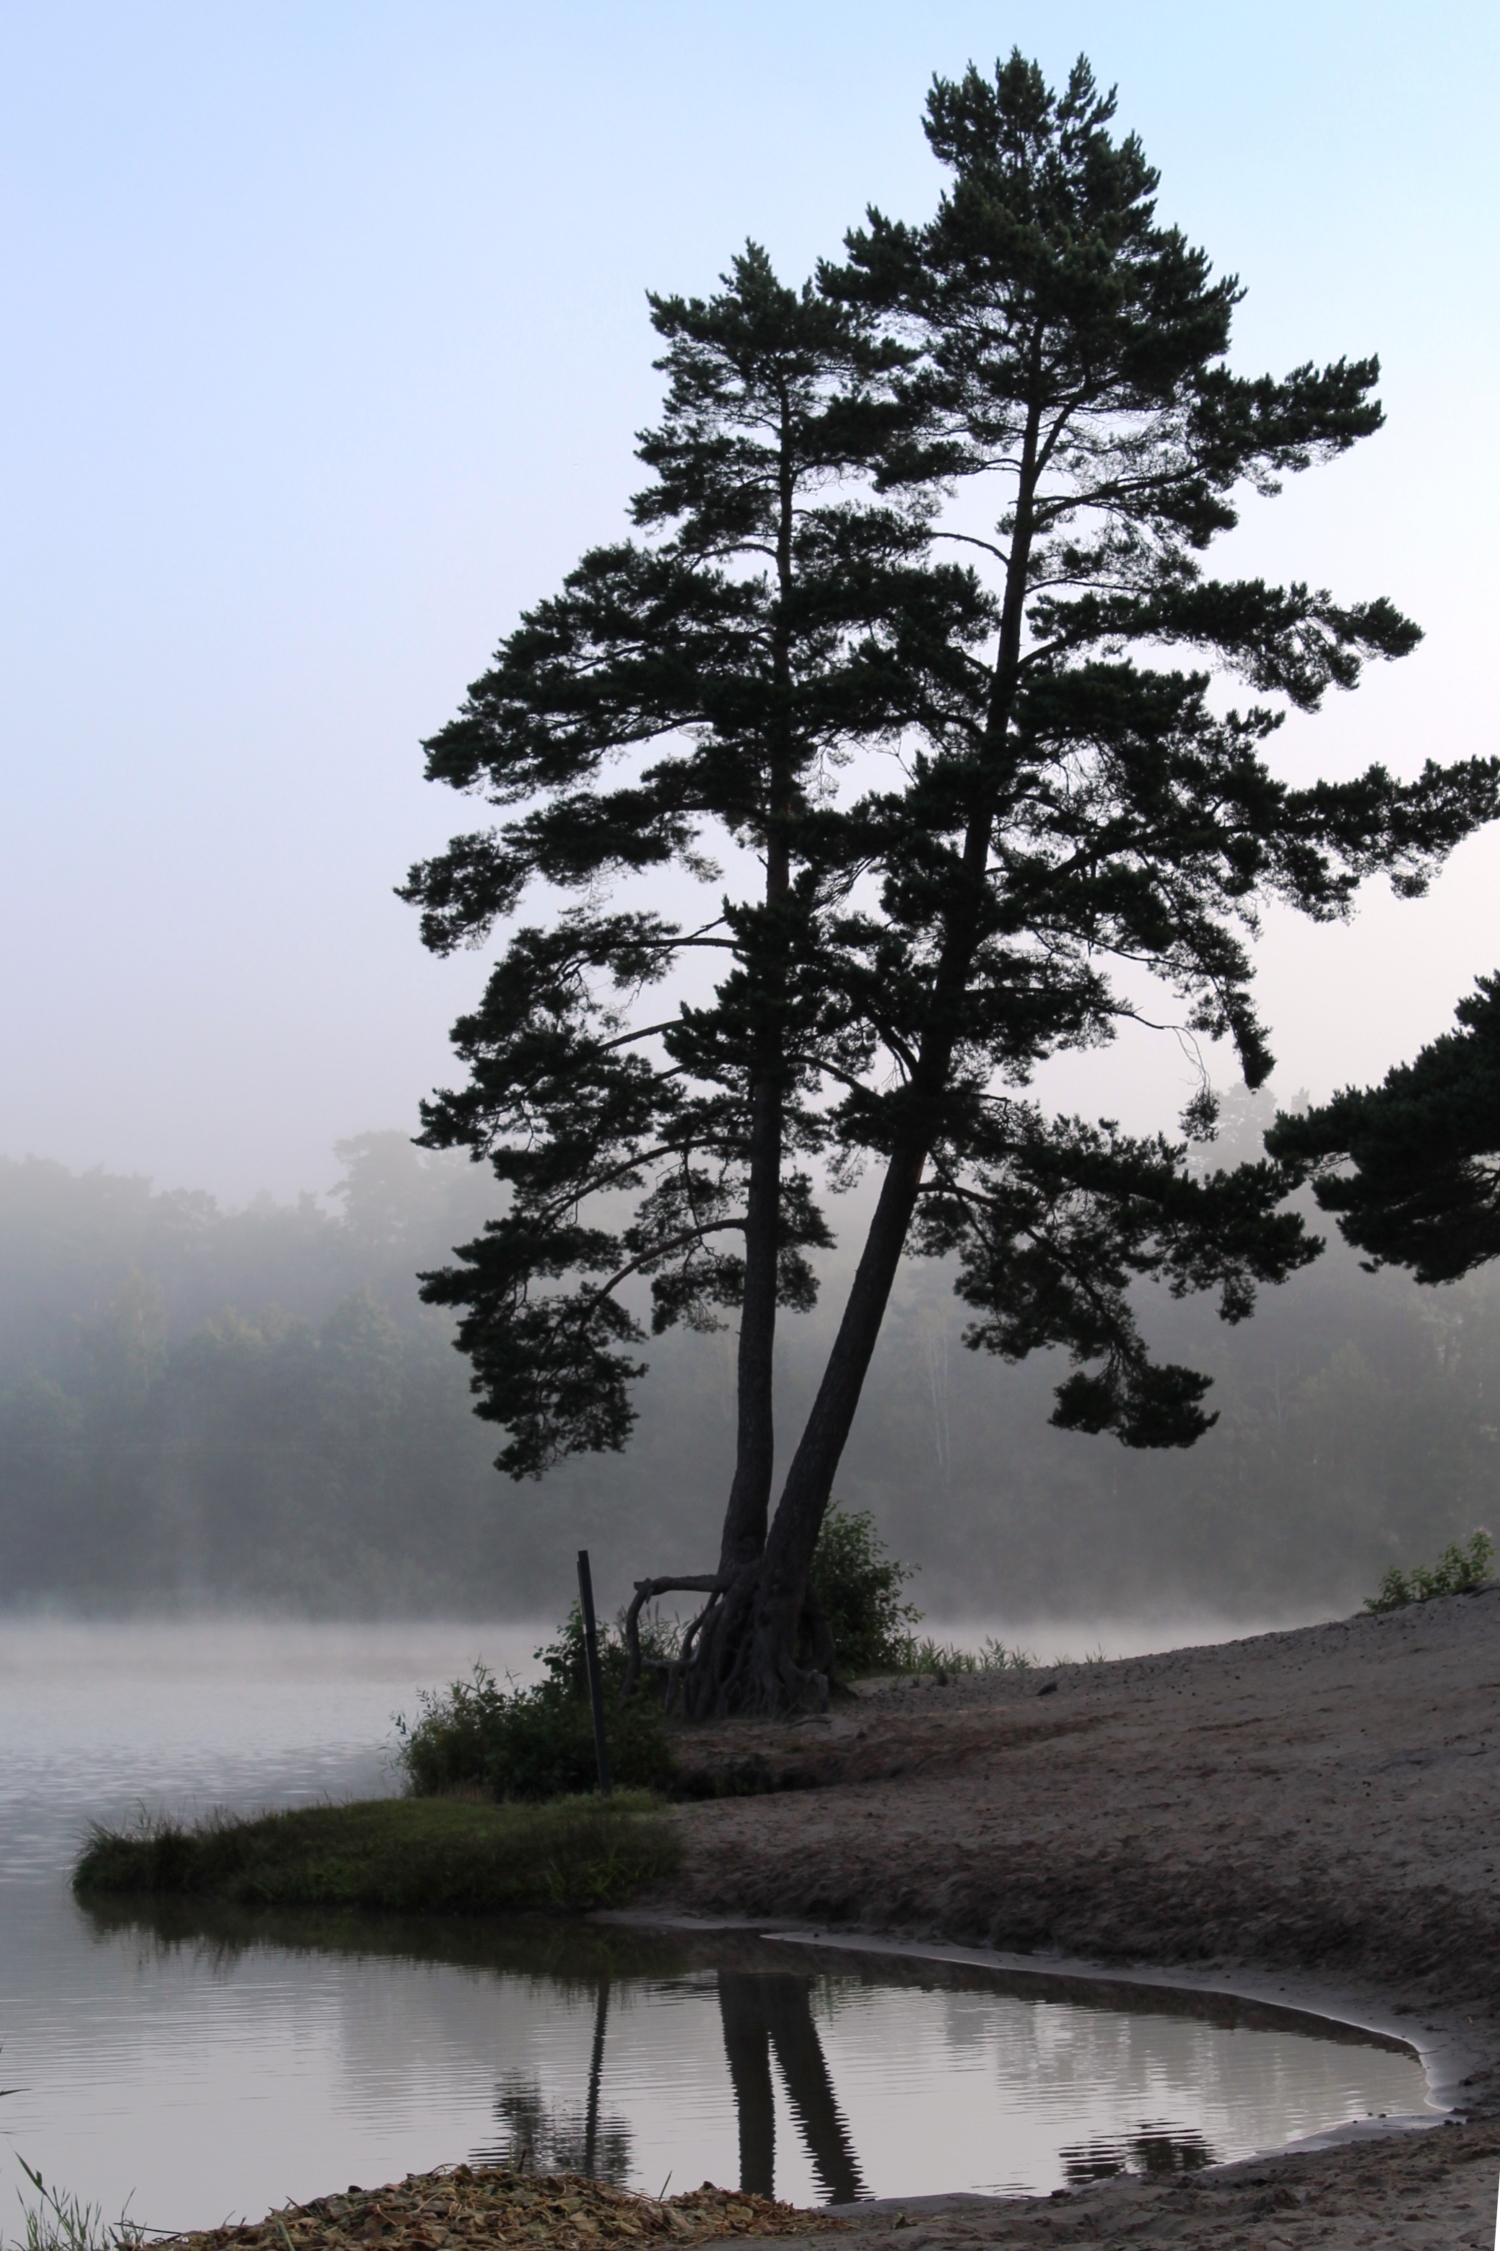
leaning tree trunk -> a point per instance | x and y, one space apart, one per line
741 1653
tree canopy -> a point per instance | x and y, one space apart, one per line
909 664
1411 1167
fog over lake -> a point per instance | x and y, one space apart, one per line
249 1410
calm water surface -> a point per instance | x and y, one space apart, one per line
206 2066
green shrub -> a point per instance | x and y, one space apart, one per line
1457 1571
858 1584
538 1743
436 1856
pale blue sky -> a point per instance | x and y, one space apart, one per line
325 343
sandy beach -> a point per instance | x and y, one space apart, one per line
1311 1817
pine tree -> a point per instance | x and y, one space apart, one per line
803 593
1423 1151
785 618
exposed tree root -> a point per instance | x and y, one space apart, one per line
740 1654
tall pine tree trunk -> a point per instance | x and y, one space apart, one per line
744 1535
746 1657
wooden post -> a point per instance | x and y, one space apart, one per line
591 1656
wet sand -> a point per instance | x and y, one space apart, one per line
1310 1816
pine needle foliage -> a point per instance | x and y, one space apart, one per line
1411 1168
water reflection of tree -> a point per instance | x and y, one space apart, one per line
766 2011
1150 2149
763 2013
562 2137
547 2137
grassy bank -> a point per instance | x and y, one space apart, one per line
406 1855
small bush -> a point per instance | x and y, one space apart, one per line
398 1855
537 1743
1457 1571
858 1584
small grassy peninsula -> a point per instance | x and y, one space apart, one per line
404 1855
500 1815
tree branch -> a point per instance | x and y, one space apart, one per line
664 1250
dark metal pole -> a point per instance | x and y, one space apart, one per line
591 1656
596 2073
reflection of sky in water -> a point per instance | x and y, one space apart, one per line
208 2078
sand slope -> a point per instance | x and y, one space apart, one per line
1320 1806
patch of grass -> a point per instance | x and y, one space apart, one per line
405 1855
927 1656
1457 1571
59 2222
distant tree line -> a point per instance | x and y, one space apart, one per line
246 1406
252 1407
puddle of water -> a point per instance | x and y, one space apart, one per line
209 2065
216 2063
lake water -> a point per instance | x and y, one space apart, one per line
204 2066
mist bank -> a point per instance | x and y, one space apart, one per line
204 1409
